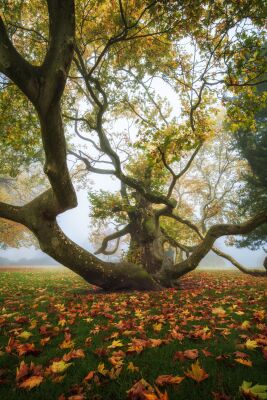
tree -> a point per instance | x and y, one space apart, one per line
104 68
252 145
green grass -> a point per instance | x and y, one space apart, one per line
46 297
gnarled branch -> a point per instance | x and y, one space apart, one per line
115 235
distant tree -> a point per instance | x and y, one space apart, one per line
252 145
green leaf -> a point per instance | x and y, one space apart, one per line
253 392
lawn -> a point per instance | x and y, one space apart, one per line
62 339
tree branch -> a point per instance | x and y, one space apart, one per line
113 236
89 167
205 246
16 68
254 272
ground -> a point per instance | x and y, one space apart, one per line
208 337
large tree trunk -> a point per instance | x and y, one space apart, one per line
150 254
147 241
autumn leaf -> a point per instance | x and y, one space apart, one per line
206 353
219 311
89 376
22 370
156 396
25 335
240 354
169 380
191 354
155 342
26 349
131 367
79 353
67 344
139 389
31 382
253 392
58 367
251 344
157 327
115 343
243 361
101 369
197 373
245 325
114 372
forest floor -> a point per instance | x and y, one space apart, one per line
62 339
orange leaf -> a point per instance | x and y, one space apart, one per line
191 354
169 380
79 353
197 373
89 376
248 363
31 382
22 371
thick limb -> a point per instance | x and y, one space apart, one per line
107 275
205 246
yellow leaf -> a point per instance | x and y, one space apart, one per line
115 343
251 344
67 344
157 327
131 367
245 325
62 322
31 382
101 369
197 373
25 335
219 311
59 366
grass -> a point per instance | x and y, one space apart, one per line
208 312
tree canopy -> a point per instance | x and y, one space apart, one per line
78 84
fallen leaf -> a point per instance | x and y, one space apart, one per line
251 344
31 382
89 376
79 353
22 370
157 327
25 335
245 325
197 373
240 354
191 354
169 380
242 361
253 392
101 369
59 366
115 343
131 367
